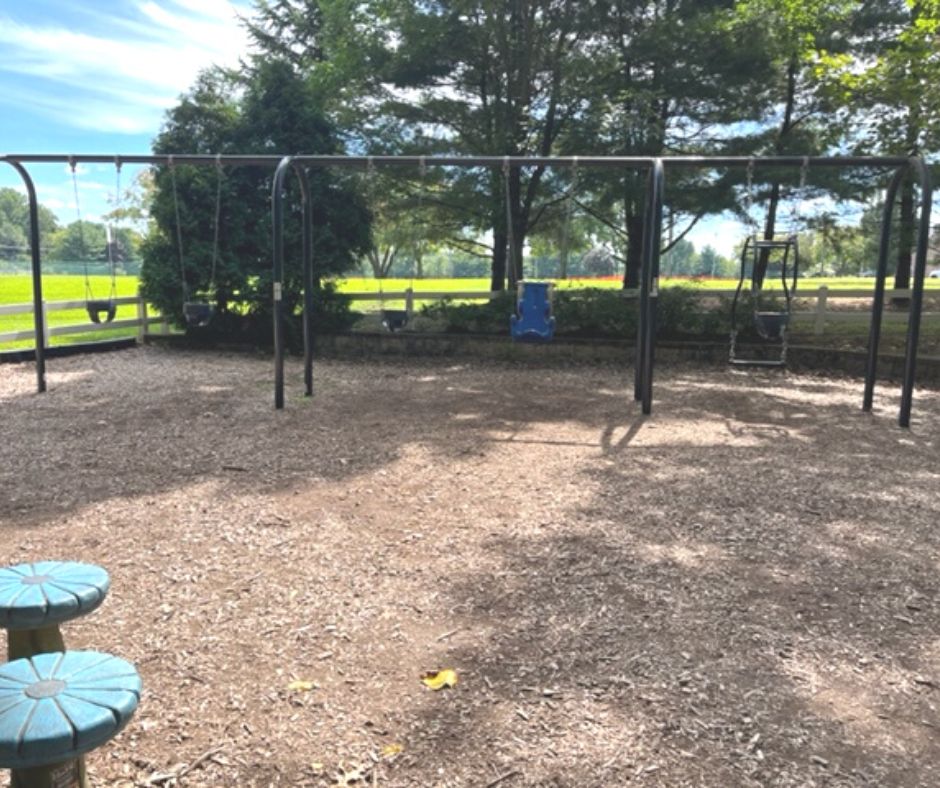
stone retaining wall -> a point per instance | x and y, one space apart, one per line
801 358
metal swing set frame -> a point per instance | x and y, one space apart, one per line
656 167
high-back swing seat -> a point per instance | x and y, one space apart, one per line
771 325
198 314
533 321
394 319
101 310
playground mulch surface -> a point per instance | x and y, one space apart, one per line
741 590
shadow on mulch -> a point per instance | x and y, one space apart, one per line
747 597
777 635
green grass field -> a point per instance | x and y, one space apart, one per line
17 288
363 285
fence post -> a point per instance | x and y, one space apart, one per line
409 302
822 296
141 318
45 325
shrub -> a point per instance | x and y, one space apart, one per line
331 314
595 313
491 317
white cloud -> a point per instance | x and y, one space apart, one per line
121 81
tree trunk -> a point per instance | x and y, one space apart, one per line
517 236
498 275
770 227
634 265
779 146
902 274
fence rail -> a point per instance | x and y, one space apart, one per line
818 300
142 322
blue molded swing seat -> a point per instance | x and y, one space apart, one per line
533 321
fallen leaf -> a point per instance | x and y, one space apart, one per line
441 679
301 686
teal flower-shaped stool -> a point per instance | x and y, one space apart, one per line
54 708
36 598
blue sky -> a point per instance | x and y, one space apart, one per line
97 77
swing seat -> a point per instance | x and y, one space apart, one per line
533 321
101 311
771 325
198 314
394 319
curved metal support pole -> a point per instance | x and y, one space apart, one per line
35 255
654 231
277 276
878 300
917 293
306 197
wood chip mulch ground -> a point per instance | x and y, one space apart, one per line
742 590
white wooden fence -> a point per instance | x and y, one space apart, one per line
142 322
819 300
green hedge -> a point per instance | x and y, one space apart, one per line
601 313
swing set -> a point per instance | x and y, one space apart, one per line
655 167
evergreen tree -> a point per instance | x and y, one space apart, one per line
270 108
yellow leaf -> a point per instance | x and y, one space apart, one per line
391 750
441 679
301 686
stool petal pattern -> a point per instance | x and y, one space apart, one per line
54 707
49 592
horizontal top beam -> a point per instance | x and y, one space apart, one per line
636 162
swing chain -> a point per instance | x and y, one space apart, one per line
510 240
113 241
569 211
749 195
81 231
179 227
419 244
218 220
797 216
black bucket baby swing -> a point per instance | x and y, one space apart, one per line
100 310
198 308
395 319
